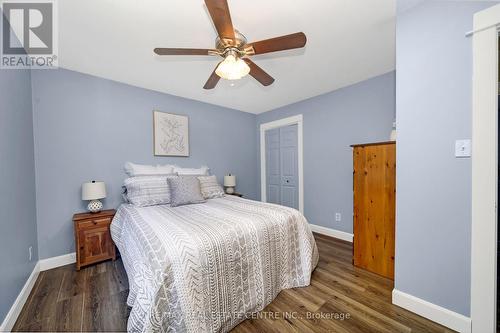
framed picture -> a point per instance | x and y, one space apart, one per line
170 134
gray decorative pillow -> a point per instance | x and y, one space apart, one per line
148 190
184 190
210 188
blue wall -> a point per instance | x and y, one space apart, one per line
360 113
434 108
17 191
87 127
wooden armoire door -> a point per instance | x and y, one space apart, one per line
374 213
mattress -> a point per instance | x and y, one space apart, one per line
206 267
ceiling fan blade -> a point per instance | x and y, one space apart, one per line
258 73
293 41
219 11
212 80
178 51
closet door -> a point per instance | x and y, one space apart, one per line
282 166
273 166
289 166
374 207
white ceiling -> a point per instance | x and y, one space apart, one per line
348 41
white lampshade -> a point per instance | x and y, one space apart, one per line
230 180
93 190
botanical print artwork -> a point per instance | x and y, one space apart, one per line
171 134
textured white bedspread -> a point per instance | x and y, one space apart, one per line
203 267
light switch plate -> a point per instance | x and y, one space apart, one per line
463 148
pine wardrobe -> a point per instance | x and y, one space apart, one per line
374 187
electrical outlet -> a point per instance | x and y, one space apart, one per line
30 251
338 217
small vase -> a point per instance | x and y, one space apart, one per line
393 135
393 132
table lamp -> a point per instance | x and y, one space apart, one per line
229 183
94 191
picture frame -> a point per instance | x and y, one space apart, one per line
170 134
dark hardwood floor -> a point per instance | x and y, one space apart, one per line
94 299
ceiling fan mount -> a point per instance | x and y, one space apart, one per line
234 48
237 42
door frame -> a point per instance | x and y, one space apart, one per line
484 170
294 120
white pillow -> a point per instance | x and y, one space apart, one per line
134 170
203 171
145 191
210 188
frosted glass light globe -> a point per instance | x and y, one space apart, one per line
232 68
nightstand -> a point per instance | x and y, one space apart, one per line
93 238
236 194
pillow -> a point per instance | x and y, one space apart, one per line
145 191
184 191
134 170
203 171
210 188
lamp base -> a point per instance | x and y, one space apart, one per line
230 190
94 206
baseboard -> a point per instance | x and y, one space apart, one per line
15 309
431 311
54 262
345 236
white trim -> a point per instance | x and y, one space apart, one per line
65 259
345 236
15 309
275 124
484 171
431 311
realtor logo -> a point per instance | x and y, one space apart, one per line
29 34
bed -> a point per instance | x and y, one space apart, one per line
206 267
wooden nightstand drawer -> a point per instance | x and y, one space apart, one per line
93 238
95 223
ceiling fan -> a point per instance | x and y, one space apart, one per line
233 47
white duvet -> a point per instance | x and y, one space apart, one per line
204 267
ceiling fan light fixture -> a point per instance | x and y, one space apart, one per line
232 68
234 48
